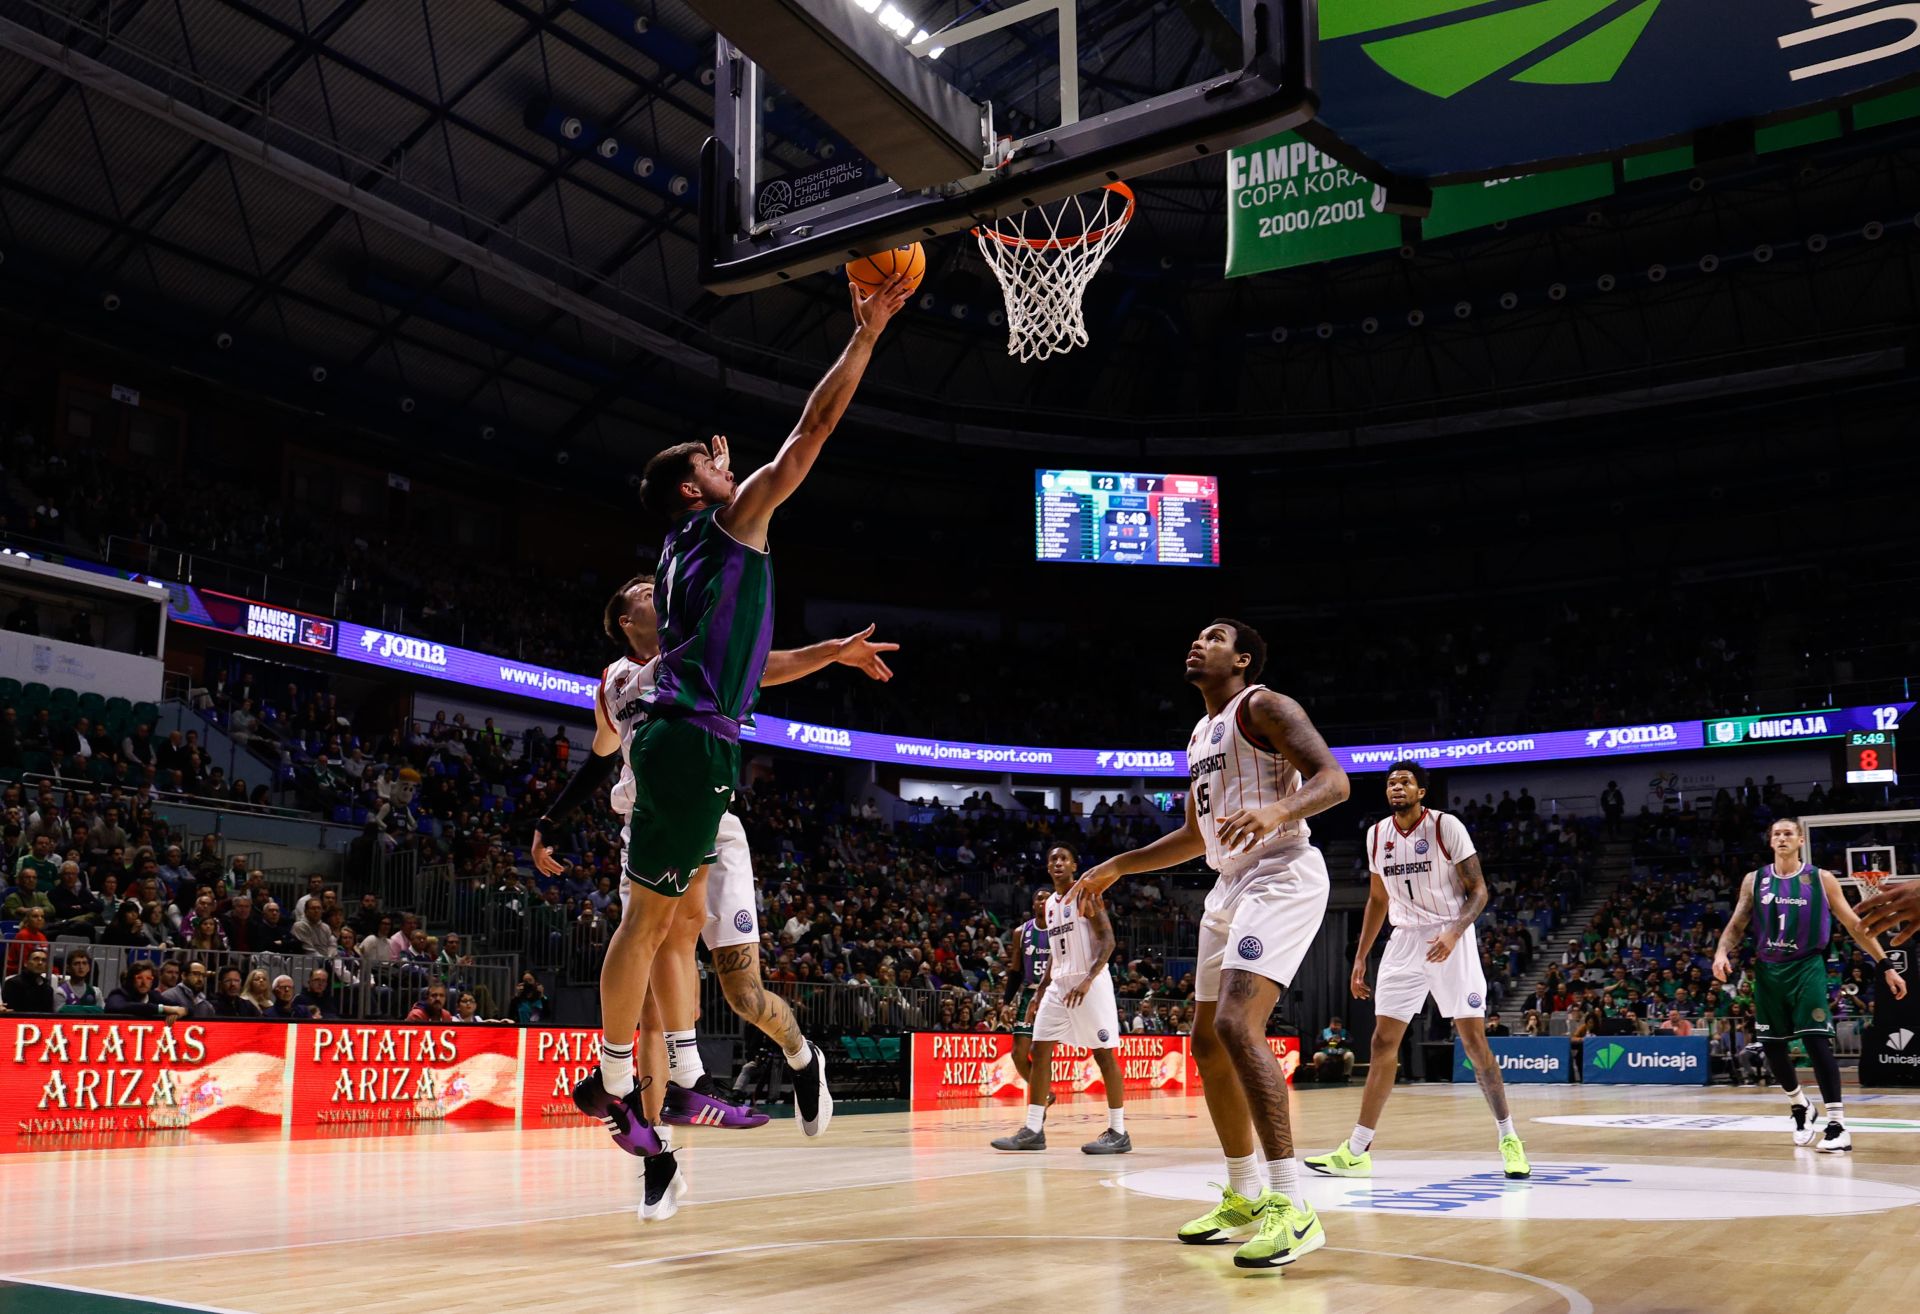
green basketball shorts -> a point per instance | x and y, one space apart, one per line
683 780
1790 999
1022 1027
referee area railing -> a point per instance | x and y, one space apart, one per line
356 988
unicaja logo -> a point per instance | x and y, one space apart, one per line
1608 1056
1899 1040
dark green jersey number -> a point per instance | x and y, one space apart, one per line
1202 800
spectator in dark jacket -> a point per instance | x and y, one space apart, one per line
316 1001
29 990
231 1001
135 997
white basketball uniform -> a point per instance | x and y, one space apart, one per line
1094 1022
732 910
1269 898
1420 868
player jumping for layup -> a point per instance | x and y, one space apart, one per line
1424 874
1077 1006
716 627
1259 769
1797 904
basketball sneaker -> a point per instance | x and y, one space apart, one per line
1343 1163
812 1101
663 1185
1835 1140
620 1113
1287 1231
701 1105
1513 1159
1234 1213
1804 1132
1024 1139
1109 1142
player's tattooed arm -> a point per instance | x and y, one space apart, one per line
1475 883
1735 928
1286 728
1103 946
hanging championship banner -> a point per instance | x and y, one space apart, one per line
1476 205
1288 204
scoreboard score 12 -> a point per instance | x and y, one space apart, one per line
1126 518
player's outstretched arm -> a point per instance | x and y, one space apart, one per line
1735 928
1844 913
765 489
593 773
1894 907
1170 850
856 650
1284 723
1371 922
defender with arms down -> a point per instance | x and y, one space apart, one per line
1259 769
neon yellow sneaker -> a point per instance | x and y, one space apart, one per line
1513 1157
1287 1231
1343 1163
1234 1214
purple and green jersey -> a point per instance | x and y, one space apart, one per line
716 624
1791 920
1035 951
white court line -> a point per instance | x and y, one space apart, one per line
1576 1302
125 1295
24 1274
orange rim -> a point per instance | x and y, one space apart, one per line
1058 243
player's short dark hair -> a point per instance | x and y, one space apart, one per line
1798 824
1247 640
1412 768
666 471
1063 844
617 606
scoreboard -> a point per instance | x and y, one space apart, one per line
1126 518
1870 758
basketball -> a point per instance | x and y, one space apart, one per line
869 272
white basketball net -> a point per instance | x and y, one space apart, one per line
1044 259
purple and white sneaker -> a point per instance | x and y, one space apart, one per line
630 1129
700 1105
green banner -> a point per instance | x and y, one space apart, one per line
1771 728
1288 204
1475 205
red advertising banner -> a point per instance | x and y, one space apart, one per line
966 1067
346 1073
556 1060
97 1081
1285 1048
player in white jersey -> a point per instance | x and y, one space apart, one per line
1258 769
1423 875
722 910
1076 1006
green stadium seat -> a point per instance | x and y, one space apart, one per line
146 713
37 693
64 697
889 1048
118 707
9 689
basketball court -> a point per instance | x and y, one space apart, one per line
1639 1202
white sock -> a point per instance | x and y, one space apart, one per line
1036 1116
616 1067
683 1058
1283 1175
665 1133
1116 1120
799 1058
1505 1125
1837 1112
1798 1096
1243 1176
1360 1140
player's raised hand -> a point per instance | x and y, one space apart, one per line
1086 891
1891 908
1357 983
863 654
1440 947
722 456
1248 826
543 860
872 313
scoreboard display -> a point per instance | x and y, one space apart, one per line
1129 519
1870 758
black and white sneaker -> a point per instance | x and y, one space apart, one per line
812 1101
663 1185
1803 1129
620 1114
1835 1140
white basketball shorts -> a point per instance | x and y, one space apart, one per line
1263 920
1094 1022
732 909
1458 985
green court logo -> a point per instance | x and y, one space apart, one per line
1447 59
1608 1056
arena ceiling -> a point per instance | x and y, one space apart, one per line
273 191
